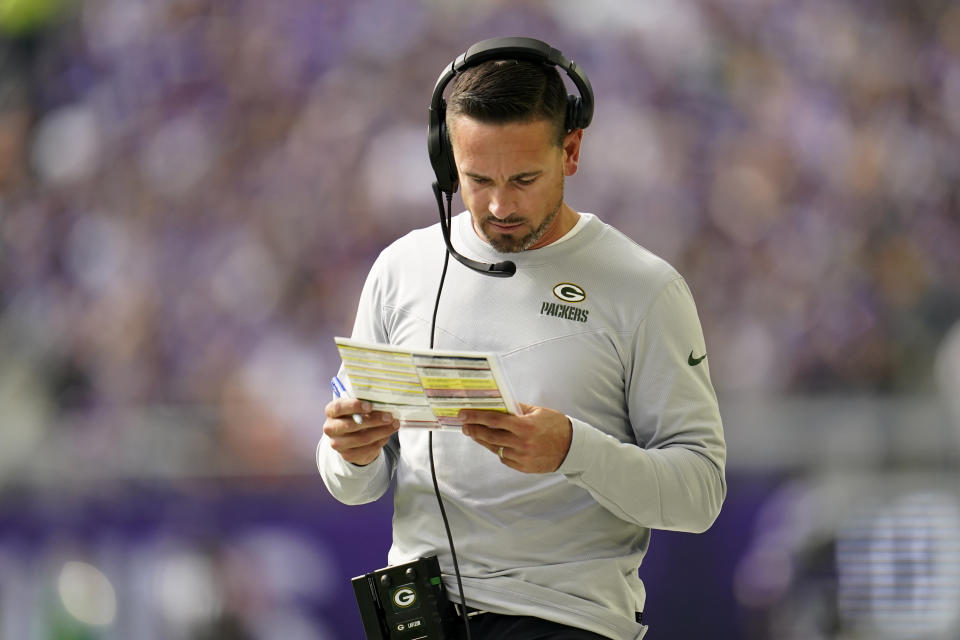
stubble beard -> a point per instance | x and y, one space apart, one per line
505 243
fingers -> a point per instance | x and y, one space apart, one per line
374 425
356 444
494 419
366 454
340 407
502 443
349 415
491 438
356 441
535 442
510 448
492 429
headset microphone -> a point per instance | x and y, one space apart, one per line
498 269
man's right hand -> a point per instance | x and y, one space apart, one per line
357 443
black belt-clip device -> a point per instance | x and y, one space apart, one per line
405 602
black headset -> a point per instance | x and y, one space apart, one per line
579 108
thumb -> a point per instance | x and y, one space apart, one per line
526 408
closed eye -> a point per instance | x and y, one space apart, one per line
522 180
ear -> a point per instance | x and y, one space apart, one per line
571 151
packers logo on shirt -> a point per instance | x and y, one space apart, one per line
569 293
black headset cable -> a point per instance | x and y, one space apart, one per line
445 222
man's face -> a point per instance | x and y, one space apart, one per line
511 180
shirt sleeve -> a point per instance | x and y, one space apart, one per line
353 484
347 482
675 478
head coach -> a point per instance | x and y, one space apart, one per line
551 511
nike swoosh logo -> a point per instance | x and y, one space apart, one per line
695 361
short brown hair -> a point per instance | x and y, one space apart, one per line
505 91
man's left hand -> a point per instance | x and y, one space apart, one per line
535 442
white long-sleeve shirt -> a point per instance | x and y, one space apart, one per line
625 363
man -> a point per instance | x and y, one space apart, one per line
551 510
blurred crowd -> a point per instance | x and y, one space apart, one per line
191 191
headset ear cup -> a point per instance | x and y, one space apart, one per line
574 113
440 149
449 164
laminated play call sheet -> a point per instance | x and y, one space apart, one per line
425 388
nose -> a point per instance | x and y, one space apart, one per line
501 206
